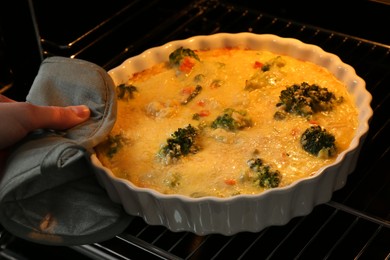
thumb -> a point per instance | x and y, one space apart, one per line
59 118
21 118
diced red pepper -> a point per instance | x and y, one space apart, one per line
186 65
204 113
201 103
230 181
187 90
257 65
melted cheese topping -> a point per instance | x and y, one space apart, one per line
220 168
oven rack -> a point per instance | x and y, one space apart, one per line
355 224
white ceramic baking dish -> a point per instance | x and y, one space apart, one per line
243 212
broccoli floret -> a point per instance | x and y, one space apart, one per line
306 99
115 143
216 83
173 180
178 55
279 115
199 78
195 93
267 177
232 120
275 62
182 142
268 75
317 141
196 116
125 91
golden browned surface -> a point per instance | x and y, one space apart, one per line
220 168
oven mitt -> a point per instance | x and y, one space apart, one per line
48 192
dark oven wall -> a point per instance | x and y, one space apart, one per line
108 33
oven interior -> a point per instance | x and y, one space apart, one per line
354 224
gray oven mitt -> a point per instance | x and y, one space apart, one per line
48 192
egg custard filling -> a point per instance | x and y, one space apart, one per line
227 121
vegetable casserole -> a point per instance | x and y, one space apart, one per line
227 121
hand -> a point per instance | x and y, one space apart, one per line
17 119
